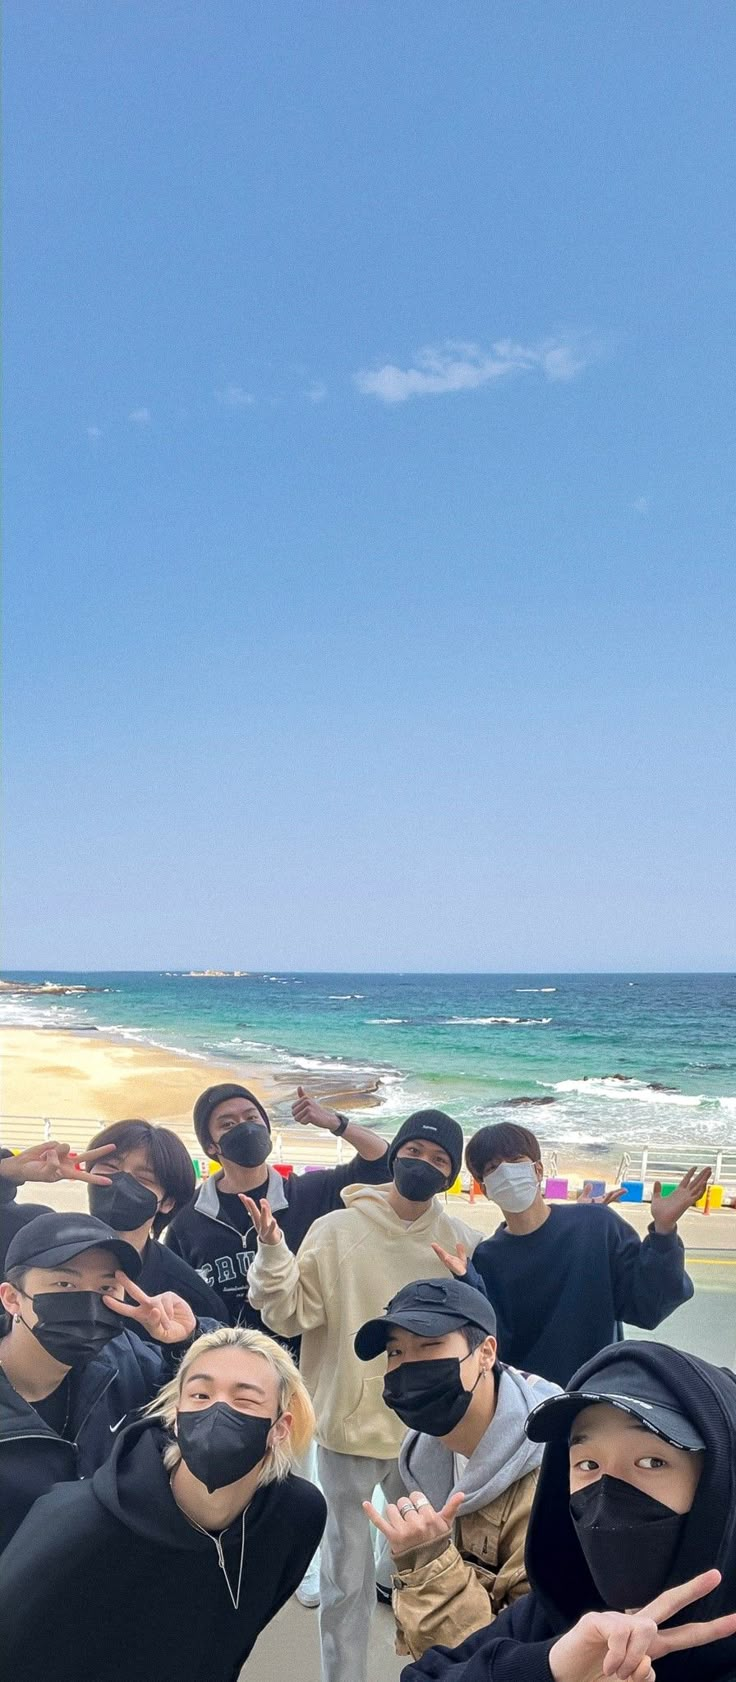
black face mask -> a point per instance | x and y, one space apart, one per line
73 1326
248 1144
429 1395
417 1180
629 1541
124 1205
220 1445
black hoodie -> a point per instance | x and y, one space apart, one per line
517 1646
107 1580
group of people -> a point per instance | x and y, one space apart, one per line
539 1499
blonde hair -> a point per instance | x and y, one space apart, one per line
292 1394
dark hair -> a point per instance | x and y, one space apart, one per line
474 1336
506 1140
168 1159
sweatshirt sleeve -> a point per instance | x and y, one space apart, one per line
503 1655
648 1276
286 1289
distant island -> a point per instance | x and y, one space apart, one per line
229 974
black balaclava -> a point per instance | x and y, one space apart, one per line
209 1100
558 1573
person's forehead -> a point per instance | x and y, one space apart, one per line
238 1366
235 1107
135 1159
604 1417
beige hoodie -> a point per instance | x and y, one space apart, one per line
350 1265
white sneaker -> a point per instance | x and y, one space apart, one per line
307 1593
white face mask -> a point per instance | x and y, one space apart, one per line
513 1185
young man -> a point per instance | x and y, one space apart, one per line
150 1176
349 1265
70 1371
632 1530
214 1233
562 1279
169 1562
45 1164
457 1536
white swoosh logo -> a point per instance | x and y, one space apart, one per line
120 1422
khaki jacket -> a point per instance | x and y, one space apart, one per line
446 1590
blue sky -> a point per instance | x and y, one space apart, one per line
370 510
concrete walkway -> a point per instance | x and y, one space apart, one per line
288 1651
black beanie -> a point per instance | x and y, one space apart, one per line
439 1128
208 1101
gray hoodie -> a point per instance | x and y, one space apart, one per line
503 1456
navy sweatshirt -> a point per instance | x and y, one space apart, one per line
561 1292
215 1234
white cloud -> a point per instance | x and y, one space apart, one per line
458 366
316 392
93 433
235 397
641 504
140 417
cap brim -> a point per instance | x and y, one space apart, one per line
125 1254
552 1421
372 1338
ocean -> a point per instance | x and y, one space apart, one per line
608 1061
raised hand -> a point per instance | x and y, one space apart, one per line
625 1645
51 1162
310 1113
266 1226
456 1264
412 1520
167 1318
666 1211
586 1195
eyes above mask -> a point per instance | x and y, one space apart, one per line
247 1145
513 1186
73 1326
629 1541
429 1395
220 1445
417 1180
125 1204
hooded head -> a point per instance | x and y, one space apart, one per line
231 1123
663 1387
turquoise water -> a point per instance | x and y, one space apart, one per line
468 1043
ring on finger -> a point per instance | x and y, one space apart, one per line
404 1506
422 1502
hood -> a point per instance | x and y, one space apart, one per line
503 1456
555 1564
372 1201
207 1202
133 1485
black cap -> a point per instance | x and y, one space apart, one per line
429 1308
623 1384
209 1100
50 1240
439 1129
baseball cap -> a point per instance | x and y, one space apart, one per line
50 1240
625 1385
429 1308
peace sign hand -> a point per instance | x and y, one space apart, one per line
167 1318
457 1265
412 1520
50 1162
266 1226
623 1645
